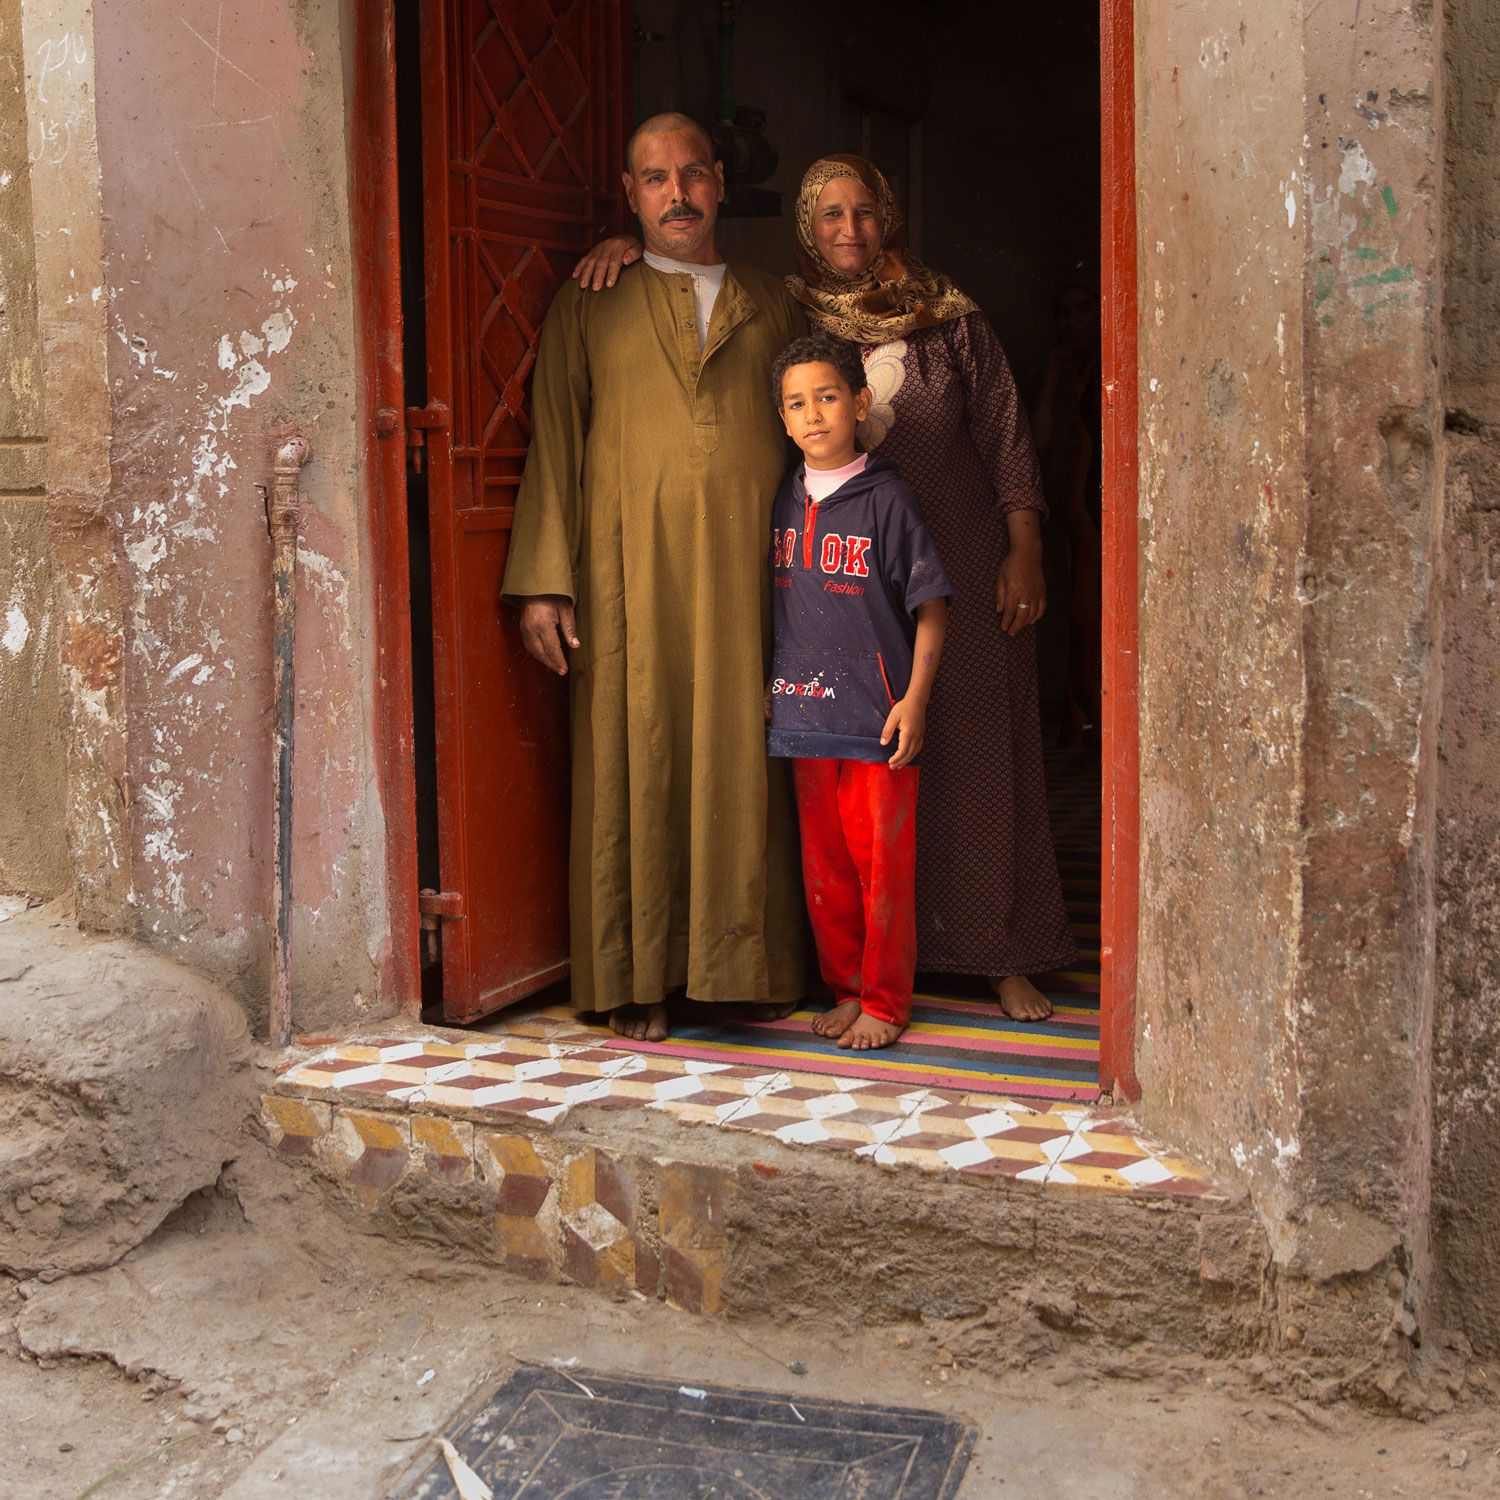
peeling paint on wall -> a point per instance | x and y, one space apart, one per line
230 310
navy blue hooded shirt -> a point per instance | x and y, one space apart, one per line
847 575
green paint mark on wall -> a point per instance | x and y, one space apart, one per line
1395 300
1390 200
1363 252
1386 277
1324 285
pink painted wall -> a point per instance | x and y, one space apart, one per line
226 243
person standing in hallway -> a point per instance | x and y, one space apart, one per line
860 605
638 561
946 412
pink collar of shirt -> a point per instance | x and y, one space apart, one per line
821 483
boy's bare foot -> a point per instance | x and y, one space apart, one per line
867 1033
640 1023
837 1021
1020 999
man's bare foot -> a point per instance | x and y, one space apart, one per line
640 1023
867 1033
1020 999
837 1021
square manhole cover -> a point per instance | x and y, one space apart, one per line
543 1436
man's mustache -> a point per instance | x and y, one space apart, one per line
682 211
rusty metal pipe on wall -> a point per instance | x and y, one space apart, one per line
283 515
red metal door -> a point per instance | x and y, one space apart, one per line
523 117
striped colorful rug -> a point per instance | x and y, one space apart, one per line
959 1038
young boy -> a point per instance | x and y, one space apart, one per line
859 603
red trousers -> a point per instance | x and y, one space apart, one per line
859 861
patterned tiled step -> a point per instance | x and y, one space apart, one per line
537 1070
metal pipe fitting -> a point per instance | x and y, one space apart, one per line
283 517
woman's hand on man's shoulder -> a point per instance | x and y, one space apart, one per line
601 267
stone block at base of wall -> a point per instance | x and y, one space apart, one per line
125 1085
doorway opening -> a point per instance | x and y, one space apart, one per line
987 123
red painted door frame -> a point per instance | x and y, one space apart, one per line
1120 906
378 272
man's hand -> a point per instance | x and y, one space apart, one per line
907 721
601 266
547 625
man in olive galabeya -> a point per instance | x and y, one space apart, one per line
638 558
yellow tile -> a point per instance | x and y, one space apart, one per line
1088 1177
523 1238
575 1183
690 1113
354 1052
825 1083
1180 1166
295 1116
402 1072
1015 1150
1121 1145
785 1109
623 1088
617 1263
512 1153
526 1029
501 1072
944 1125
377 1131
921 1158
849 1130
440 1136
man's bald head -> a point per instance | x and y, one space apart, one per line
669 123
674 187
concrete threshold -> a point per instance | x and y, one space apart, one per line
743 1190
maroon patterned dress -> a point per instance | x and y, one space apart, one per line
989 901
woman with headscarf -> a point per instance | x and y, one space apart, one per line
947 413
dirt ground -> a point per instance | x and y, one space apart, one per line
258 1345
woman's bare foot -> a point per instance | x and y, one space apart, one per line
1020 999
867 1033
770 1011
640 1023
837 1021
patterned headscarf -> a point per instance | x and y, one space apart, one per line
896 295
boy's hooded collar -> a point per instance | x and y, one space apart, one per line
876 468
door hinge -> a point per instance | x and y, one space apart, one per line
420 420
440 903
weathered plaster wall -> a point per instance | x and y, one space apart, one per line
1222 517
57 43
1466 1213
1290 522
222 140
33 848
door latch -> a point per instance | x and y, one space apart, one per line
420 420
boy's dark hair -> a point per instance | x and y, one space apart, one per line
820 349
